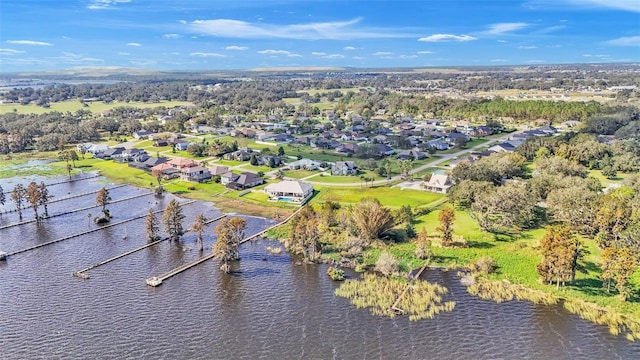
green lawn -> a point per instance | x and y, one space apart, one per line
228 162
299 174
392 197
75 105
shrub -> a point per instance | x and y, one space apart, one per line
485 265
335 274
387 264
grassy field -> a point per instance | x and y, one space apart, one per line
74 105
392 197
299 174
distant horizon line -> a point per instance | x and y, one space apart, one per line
310 68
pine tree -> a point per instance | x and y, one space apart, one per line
18 196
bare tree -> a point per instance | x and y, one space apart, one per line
151 226
18 196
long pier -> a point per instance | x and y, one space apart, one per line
88 231
83 273
157 280
65 181
76 210
28 206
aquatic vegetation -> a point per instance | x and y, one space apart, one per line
335 274
391 296
617 323
501 291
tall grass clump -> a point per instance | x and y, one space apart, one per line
501 291
617 323
418 299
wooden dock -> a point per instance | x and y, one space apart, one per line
158 280
75 210
88 231
83 273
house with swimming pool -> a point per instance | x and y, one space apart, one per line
292 191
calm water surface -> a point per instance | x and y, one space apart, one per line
269 309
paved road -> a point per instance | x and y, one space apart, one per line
442 159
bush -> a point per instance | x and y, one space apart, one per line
387 264
335 274
485 265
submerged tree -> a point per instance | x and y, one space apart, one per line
230 232
33 198
44 197
305 234
446 217
3 198
172 219
18 196
151 226
102 199
198 226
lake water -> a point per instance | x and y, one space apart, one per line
269 309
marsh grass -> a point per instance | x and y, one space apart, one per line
418 299
501 291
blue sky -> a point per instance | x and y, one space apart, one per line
244 34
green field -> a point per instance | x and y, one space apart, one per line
392 197
299 174
74 105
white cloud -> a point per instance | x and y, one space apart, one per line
204 54
502 41
600 56
316 53
104 4
144 63
172 36
333 56
133 44
501 28
237 48
29 42
425 52
446 37
71 58
336 30
408 56
123 53
357 57
630 5
527 47
294 55
182 21
274 52
498 60
348 48
625 41
535 61
10 52
382 53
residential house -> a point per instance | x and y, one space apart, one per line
109 154
167 171
241 181
133 154
195 173
182 146
379 139
306 164
294 191
347 149
344 168
267 159
218 170
454 137
502 147
481 131
411 155
384 150
160 143
438 144
439 183
142 134
181 163
239 155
